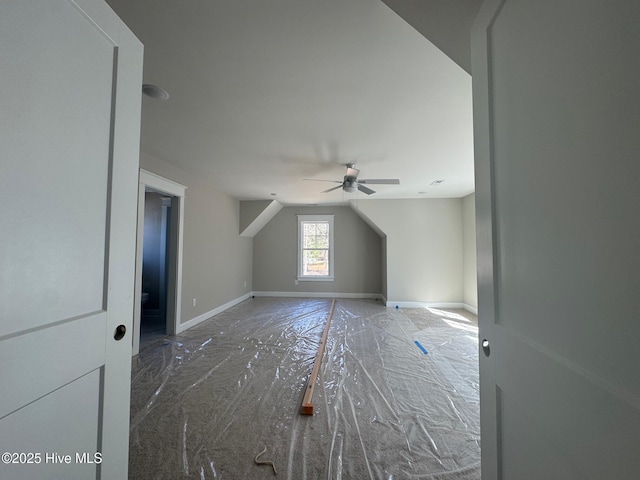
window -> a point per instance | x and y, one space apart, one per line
315 247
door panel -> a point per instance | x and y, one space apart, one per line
565 144
60 79
46 358
556 148
70 113
59 425
550 408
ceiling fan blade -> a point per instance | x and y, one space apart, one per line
352 172
366 190
381 181
332 189
318 180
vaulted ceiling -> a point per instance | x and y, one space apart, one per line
265 94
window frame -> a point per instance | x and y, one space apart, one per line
302 219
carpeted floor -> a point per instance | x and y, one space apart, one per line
205 403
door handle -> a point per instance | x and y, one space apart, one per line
486 348
120 332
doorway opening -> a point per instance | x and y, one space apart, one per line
158 259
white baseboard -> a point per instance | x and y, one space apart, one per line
318 295
469 308
460 305
205 316
391 303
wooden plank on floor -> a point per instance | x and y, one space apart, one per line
307 400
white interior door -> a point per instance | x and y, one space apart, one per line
70 117
556 116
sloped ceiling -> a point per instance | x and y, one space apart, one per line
266 94
446 23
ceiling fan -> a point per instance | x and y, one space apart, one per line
350 183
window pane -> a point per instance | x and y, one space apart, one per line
322 229
321 242
315 262
308 241
315 241
315 235
309 228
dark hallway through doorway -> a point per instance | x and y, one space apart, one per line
155 265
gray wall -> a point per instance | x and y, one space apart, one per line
424 257
250 210
358 254
216 260
424 247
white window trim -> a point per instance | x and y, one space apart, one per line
316 218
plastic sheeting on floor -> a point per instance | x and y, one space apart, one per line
205 403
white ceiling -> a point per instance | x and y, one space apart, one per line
264 94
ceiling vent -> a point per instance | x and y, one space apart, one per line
154 91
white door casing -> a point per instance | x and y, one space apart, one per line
70 119
555 87
174 293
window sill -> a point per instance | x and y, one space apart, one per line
316 279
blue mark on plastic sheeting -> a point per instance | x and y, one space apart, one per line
424 350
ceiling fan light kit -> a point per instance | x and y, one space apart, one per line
351 184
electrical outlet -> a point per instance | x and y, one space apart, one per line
245 284
194 302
